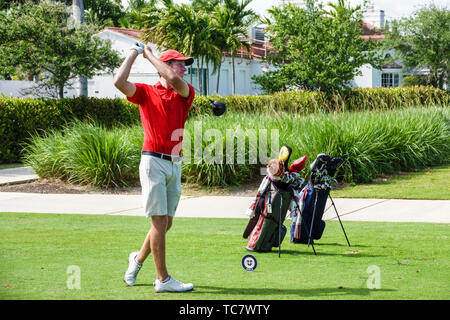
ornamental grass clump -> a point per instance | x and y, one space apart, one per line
370 142
87 153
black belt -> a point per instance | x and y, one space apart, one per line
157 154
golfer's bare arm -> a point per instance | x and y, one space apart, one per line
129 89
121 79
167 73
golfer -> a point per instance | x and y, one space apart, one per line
164 108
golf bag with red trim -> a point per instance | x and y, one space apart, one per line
267 212
265 229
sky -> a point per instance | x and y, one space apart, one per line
393 9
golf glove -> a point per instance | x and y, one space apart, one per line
138 46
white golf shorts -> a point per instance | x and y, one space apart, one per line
161 185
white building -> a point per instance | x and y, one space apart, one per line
300 3
391 73
374 16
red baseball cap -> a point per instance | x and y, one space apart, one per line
175 55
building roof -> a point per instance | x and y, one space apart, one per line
128 32
371 32
392 65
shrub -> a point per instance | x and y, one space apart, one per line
303 102
370 143
87 153
20 118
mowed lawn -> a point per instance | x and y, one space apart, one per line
429 183
51 256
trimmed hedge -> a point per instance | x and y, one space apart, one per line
303 102
19 118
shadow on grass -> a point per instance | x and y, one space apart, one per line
308 293
341 245
309 251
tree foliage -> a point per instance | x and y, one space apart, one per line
315 49
140 14
42 39
6 4
104 12
423 42
231 20
204 29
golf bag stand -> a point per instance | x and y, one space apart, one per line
339 218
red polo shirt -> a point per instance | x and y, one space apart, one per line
163 111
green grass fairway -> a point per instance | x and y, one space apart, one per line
431 183
37 250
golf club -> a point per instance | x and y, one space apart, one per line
218 107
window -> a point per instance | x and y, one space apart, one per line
390 79
259 34
191 77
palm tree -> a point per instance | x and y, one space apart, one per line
341 11
196 31
233 21
182 28
221 22
206 5
78 14
140 14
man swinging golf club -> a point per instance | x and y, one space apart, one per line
164 108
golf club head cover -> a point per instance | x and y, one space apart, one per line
218 107
138 46
285 154
275 169
333 165
320 163
298 165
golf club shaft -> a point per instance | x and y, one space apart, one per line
312 219
279 227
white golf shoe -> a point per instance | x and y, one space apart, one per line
133 269
172 285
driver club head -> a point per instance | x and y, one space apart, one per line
218 107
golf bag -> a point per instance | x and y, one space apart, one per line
313 203
265 229
308 209
267 212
